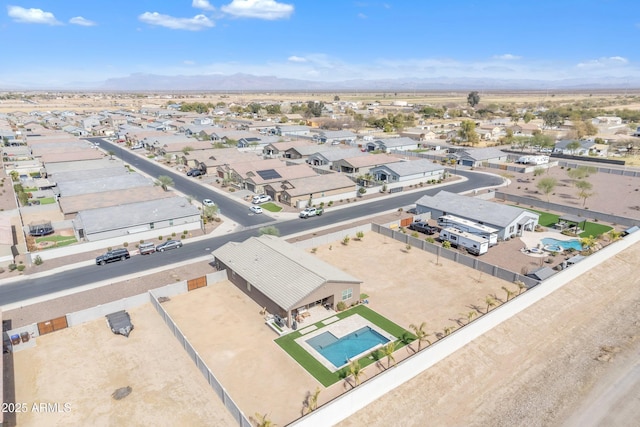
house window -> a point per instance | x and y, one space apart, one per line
347 294
512 229
170 222
152 225
248 287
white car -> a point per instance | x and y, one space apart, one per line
256 209
261 198
208 202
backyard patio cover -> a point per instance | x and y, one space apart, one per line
573 219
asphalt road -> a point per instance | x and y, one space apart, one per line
230 207
37 287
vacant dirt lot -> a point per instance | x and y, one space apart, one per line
83 365
537 368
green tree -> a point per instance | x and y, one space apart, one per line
521 286
470 315
165 182
473 98
187 149
312 400
584 190
269 230
420 333
509 292
388 350
573 146
547 185
552 118
111 153
210 212
468 133
528 117
448 329
355 370
336 98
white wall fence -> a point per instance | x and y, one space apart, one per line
349 403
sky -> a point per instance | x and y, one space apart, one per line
60 42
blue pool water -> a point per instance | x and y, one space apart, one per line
562 244
339 351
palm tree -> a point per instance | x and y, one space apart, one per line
490 301
420 333
471 315
312 400
263 421
521 286
356 371
388 350
510 293
448 329
111 153
165 182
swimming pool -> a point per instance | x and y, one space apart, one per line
338 351
555 245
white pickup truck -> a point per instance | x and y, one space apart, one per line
309 212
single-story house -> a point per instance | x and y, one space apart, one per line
327 157
336 137
164 215
407 171
256 180
292 130
388 144
476 156
282 149
319 188
509 220
296 279
565 147
362 164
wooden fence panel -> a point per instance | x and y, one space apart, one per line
193 284
52 325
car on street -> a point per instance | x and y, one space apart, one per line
169 244
261 198
208 202
422 227
137 146
195 172
114 255
147 248
256 209
311 211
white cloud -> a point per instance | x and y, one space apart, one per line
507 57
79 20
202 4
189 62
296 59
260 9
196 23
31 16
611 61
362 16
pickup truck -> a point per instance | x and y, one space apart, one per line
422 227
309 212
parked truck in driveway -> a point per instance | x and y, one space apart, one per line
309 212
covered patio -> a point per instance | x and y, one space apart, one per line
572 223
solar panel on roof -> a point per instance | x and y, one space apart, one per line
268 174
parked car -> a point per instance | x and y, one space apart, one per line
423 227
195 172
208 202
169 244
137 146
255 209
261 198
147 248
114 255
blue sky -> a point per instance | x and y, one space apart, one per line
56 42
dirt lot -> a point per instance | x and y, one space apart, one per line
83 365
538 368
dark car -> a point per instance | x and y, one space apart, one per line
113 255
169 244
195 172
422 227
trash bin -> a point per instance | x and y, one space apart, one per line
25 336
15 339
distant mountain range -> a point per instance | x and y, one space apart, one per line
247 82
251 83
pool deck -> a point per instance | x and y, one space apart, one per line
340 329
532 239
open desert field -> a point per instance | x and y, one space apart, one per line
572 354
82 366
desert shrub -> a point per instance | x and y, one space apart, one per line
125 244
360 235
415 234
160 237
345 240
430 240
446 244
341 306
173 234
314 250
21 267
12 267
38 260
